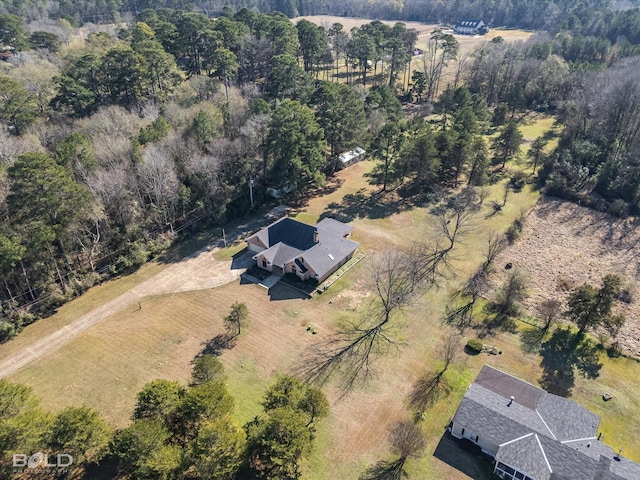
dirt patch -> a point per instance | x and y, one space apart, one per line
354 296
564 245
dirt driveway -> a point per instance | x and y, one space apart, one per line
199 271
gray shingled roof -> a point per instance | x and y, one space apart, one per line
567 419
334 227
507 385
516 412
287 239
289 231
280 253
329 252
485 422
564 430
527 453
604 455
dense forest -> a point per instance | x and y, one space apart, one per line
116 138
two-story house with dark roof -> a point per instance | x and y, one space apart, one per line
535 435
310 252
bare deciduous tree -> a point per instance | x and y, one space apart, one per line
355 346
549 311
431 386
511 294
456 218
497 243
159 181
407 441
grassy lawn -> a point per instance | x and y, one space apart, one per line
108 364
91 299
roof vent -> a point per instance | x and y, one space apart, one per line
588 444
331 257
510 401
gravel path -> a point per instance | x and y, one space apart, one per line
199 271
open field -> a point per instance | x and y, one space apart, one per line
467 43
349 22
564 245
107 365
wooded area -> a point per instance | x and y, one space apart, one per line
187 431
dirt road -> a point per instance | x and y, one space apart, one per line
199 271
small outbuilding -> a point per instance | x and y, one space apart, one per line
349 158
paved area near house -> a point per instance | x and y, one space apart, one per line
199 271
270 281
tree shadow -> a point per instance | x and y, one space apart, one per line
426 391
495 321
364 204
282 291
218 344
385 470
531 339
301 202
460 317
470 462
562 355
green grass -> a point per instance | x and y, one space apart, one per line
247 386
225 254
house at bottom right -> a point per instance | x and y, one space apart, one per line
533 434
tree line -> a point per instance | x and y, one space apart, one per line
591 17
116 146
177 432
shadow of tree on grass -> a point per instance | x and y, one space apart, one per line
531 339
217 344
562 355
385 470
364 204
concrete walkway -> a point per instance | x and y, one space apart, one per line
199 271
270 281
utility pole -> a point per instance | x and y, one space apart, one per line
251 189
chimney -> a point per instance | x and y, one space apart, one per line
510 401
315 236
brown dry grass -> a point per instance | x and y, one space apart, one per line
348 23
107 365
564 245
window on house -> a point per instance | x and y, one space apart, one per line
477 438
462 432
293 270
264 263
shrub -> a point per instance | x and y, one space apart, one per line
515 229
619 208
475 345
518 180
7 331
